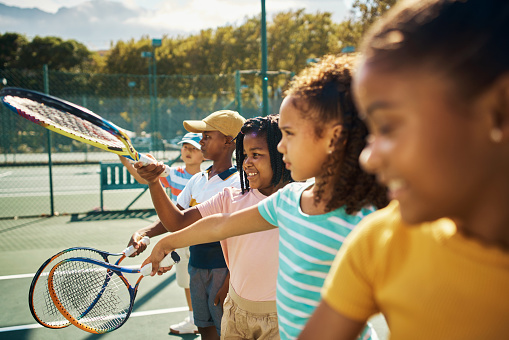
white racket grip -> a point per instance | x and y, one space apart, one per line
166 262
145 160
130 250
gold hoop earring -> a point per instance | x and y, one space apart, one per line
496 135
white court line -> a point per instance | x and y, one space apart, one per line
25 276
6 174
133 315
20 276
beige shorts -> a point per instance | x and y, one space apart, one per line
246 319
181 268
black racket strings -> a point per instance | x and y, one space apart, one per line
94 295
41 303
63 120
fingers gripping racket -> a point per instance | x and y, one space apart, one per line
72 121
39 300
94 295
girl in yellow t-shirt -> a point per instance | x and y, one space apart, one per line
433 87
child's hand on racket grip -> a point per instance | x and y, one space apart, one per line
159 170
159 262
134 246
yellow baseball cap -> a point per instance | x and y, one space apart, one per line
227 122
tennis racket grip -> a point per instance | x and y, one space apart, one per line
169 260
130 250
145 160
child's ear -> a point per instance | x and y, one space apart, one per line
335 134
229 140
500 110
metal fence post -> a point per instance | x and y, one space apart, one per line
238 93
265 80
48 133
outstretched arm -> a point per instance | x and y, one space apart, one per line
130 167
209 229
169 214
328 324
152 230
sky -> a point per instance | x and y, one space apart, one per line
98 23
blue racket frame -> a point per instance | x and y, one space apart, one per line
113 269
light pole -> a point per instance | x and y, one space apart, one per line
152 78
131 85
157 138
265 80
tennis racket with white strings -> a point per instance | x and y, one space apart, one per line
39 300
94 295
72 121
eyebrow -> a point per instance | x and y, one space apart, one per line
255 148
378 105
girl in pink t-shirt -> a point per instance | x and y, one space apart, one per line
249 310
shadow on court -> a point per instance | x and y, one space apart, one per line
20 226
113 215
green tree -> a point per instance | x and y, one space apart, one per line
10 46
368 11
68 55
363 14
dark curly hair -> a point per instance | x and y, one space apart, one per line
322 93
268 127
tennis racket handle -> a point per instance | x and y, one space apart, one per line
145 160
169 260
130 250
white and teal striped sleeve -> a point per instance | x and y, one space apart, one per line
268 208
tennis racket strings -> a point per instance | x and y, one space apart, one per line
95 297
41 304
39 299
62 120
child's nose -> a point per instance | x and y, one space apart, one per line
280 146
248 159
368 159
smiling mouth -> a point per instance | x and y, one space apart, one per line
251 174
395 186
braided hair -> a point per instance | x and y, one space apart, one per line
322 93
268 127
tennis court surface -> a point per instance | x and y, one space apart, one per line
28 242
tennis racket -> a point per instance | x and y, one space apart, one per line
39 300
94 295
72 121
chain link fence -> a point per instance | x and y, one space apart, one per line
35 181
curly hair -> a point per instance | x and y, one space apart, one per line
268 127
322 93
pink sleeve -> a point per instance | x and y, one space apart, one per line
213 205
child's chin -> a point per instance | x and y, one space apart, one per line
413 215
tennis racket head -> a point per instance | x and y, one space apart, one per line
39 300
90 294
41 306
94 295
69 120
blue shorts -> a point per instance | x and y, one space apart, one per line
204 285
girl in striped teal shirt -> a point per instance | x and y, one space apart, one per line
322 140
